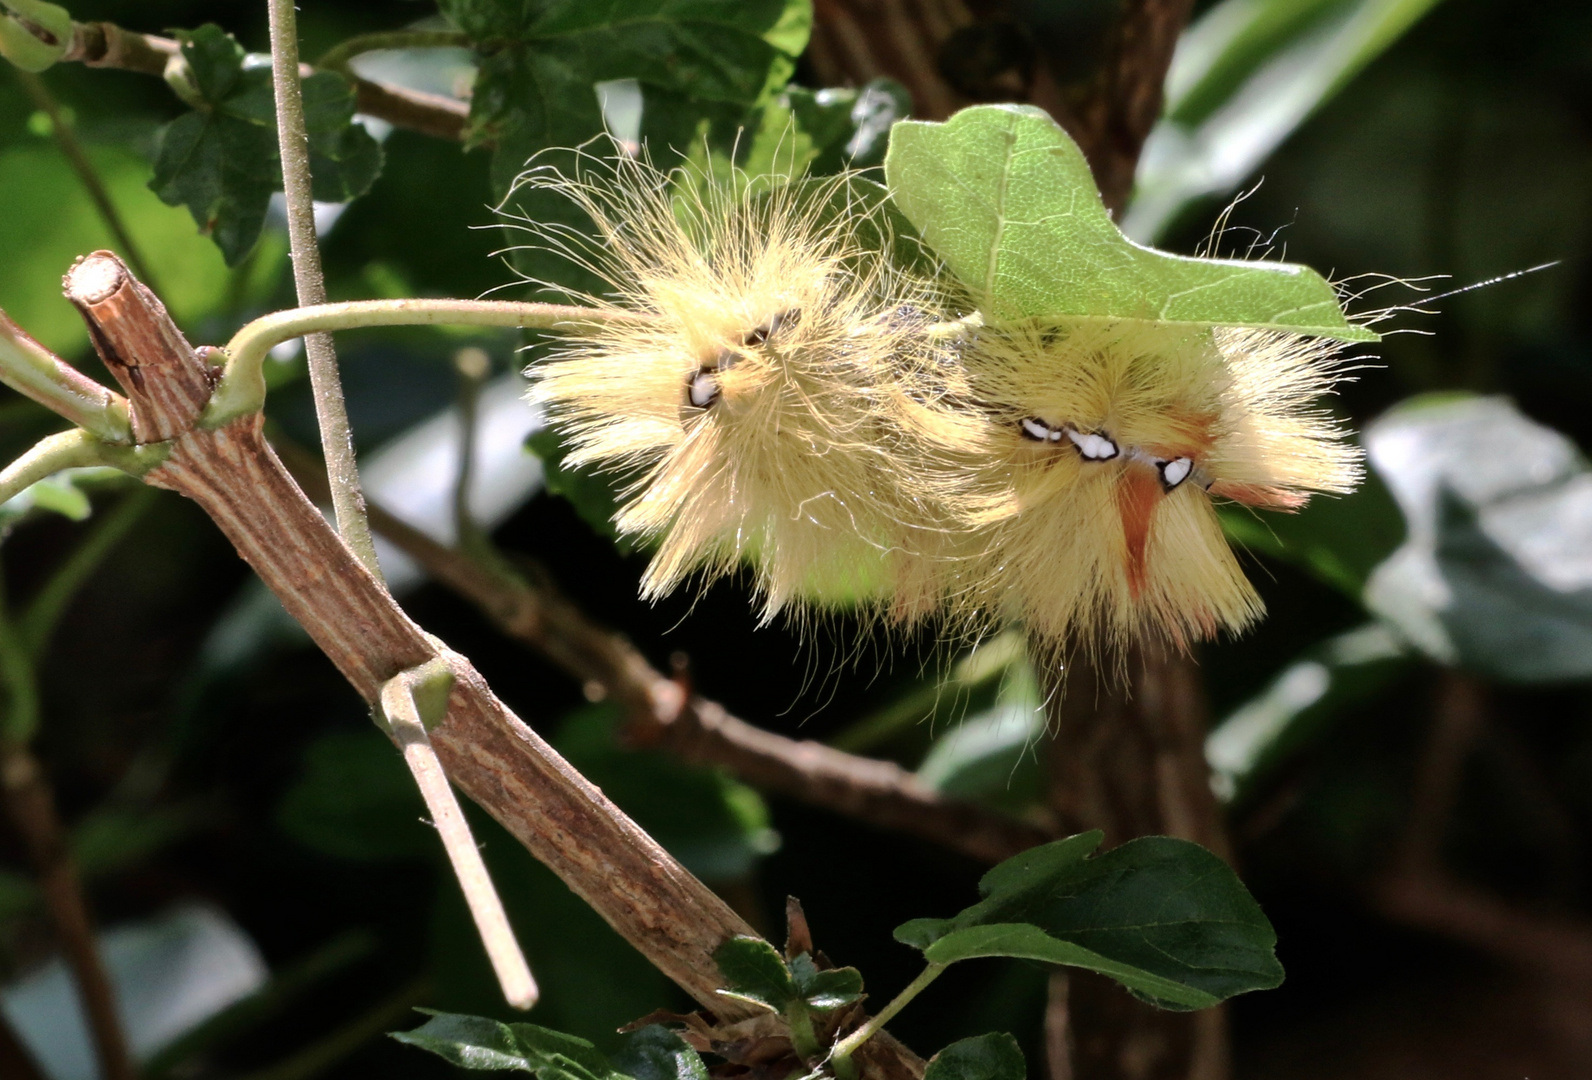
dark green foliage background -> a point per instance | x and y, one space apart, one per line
252 777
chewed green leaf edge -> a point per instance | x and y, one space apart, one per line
1005 197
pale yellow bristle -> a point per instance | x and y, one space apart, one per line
786 397
805 351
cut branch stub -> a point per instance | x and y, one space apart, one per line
167 384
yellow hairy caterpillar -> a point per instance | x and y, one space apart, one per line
757 406
1003 435
1108 444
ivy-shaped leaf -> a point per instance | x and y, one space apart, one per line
1007 200
221 159
541 61
470 1042
1165 918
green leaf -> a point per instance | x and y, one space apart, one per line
825 131
1007 200
825 989
221 160
1166 918
989 755
657 1053
553 1055
1301 705
475 1042
1245 76
754 971
220 168
1496 573
63 493
216 60
470 1042
696 61
973 684
995 1056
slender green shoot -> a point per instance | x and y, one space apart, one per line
840 1056
331 411
76 449
242 388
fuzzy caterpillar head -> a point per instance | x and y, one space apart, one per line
1107 443
759 402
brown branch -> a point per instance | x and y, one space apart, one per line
31 807
106 45
638 888
693 728
1547 945
500 763
1460 718
1420 893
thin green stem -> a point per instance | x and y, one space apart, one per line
337 57
65 450
75 449
37 373
337 440
242 388
840 1056
21 717
44 612
803 1038
87 175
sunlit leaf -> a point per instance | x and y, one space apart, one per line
1006 198
221 160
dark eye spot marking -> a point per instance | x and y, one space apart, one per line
761 334
1093 447
1174 472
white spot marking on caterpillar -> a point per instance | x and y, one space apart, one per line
703 389
1176 471
1038 431
1093 447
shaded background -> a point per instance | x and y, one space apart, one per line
1415 709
